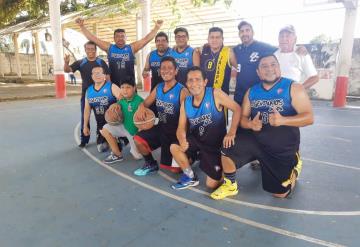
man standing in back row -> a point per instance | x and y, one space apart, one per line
247 56
217 60
85 67
185 56
294 66
121 56
154 57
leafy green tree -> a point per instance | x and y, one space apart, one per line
16 11
321 39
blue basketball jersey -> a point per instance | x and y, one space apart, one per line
278 96
206 122
100 100
168 107
154 61
184 61
281 140
121 63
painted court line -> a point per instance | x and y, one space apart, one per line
266 207
339 139
332 164
336 125
205 207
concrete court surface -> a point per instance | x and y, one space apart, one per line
55 194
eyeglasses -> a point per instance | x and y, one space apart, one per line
180 36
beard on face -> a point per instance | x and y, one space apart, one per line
272 81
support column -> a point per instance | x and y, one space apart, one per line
343 64
55 22
38 56
138 55
146 20
17 58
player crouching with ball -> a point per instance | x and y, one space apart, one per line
120 122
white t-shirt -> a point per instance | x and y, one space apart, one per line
295 67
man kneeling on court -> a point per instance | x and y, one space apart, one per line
203 111
272 112
168 96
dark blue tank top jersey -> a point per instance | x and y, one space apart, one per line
208 62
184 61
206 122
100 100
168 107
154 61
121 63
282 140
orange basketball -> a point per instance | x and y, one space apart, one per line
146 122
113 114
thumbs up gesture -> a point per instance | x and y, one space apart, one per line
256 123
275 118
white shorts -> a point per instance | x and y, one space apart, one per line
120 131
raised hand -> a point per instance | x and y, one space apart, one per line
67 58
301 50
256 123
158 23
80 21
275 118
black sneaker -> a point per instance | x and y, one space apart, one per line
82 145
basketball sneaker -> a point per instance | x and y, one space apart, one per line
148 167
225 190
112 158
185 182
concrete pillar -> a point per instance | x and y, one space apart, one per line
138 55
343 64
17 58
146 21
58 57
38 56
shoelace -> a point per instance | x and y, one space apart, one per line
184 178
147 165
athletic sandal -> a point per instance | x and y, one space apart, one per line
225 190
148 167
185 182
